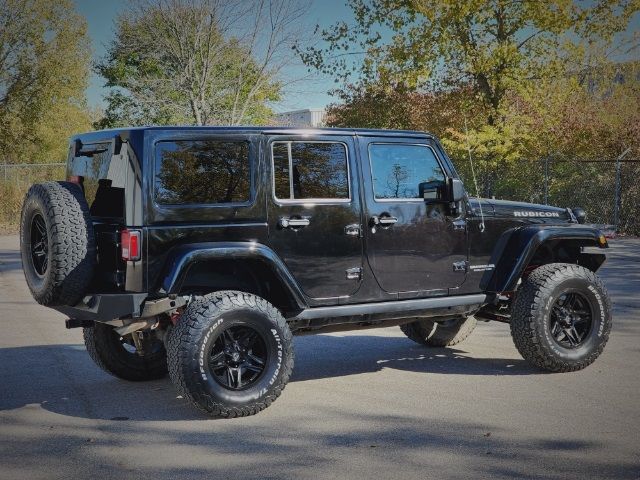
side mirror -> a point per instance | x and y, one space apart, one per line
456 190
432 190
580 214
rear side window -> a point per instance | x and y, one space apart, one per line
202 172
399 169
103 179
310 171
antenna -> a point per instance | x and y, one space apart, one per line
473 174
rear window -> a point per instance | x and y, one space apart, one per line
102 179
202 172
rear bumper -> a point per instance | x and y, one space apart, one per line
105 307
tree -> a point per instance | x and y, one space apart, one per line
396 178
44 68
566 118
494 49
595 117
198 61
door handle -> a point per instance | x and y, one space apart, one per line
286 222
383 220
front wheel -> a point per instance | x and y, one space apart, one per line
444 333
561 317
230 354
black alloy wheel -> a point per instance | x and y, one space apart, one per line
570 320
57 243
238 357
561 317
39 245
230 353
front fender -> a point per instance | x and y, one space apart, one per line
182 258
517 247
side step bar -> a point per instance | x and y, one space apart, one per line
421 305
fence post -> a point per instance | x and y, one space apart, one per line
546 180
618 195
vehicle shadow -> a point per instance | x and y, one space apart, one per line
10 260
64 380
324 356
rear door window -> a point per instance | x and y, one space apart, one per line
304 171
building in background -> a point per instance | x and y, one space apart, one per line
309 117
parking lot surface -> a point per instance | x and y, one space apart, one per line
365 404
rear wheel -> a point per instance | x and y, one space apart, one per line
561 317
117 355
230 354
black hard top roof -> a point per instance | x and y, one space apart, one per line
102 135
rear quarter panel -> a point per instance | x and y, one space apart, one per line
167 227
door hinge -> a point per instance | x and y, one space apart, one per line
459 224
354 273
353 230
461 266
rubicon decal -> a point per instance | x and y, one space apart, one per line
482 268
535 214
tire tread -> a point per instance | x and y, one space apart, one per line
191 326
73 250
101 350
531 296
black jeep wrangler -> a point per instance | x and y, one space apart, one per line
201 250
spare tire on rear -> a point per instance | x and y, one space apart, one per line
57 243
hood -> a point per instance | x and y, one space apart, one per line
521 210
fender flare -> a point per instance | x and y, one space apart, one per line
516 247
183 257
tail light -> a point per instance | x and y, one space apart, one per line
130 240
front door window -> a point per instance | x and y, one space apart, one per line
399 170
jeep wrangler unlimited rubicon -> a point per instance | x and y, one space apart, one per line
201 250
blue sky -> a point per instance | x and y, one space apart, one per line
312 93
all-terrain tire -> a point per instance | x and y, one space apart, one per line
418 331
446 333
451 332
531 317
58 215
113 355
195 336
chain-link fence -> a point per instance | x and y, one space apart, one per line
22 174
15 180
608 190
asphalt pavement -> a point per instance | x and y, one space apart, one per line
367 404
